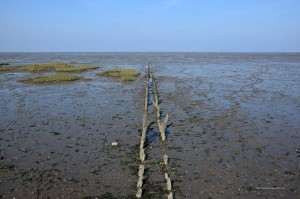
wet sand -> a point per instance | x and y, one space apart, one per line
233 128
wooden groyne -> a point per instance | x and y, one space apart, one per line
145 126
162 130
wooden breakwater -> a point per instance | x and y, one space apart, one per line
161 125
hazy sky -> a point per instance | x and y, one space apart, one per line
149 25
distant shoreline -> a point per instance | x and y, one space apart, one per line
157 52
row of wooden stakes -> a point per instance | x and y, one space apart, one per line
162 129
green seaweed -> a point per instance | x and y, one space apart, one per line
46 67
51 79
125 74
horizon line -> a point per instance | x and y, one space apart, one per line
149 51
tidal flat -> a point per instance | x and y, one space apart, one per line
233 129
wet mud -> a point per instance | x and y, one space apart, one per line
233 129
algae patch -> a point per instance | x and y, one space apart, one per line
124 74
51 79
46 67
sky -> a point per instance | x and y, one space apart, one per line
150 25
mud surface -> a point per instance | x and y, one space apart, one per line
233 132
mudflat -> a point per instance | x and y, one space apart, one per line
233 128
